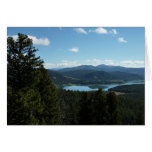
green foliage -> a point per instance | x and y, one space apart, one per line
131 105
23 107
32 98
22 62
87 111
59 80
135 91
101 107
69 106
49 99
88 108
88 77
131 110
134 88
94 108
113 109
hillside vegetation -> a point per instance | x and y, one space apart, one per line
130 106
88 77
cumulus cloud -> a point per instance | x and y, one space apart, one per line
38 41
99 30
80 30
74 49
122 40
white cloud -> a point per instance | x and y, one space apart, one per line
99 30
109 62
125 63
38 41
15 37
122 40
62 64
114 31
80 30
132 63
95 62
74 49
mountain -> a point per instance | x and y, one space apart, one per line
97 76
59 79
87 77
109 68
106 68
81 67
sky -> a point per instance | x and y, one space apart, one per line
61 47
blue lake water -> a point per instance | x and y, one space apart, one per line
105 87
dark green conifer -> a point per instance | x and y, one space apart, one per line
49 99
32 98
100 107
112 101
86 111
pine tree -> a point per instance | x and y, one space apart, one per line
112 101
22 63
49 99
100 107
26 102
23 107
86 111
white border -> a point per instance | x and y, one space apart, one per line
74 138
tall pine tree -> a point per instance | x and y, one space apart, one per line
86 113
112 101
32 98
101 107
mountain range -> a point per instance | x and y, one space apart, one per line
106 68
101 74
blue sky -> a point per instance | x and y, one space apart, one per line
72 46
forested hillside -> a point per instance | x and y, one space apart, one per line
132 103
88 77
59 79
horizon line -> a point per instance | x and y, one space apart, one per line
93 66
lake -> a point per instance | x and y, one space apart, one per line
104 87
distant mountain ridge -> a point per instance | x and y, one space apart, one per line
88 77
101 76
106 68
